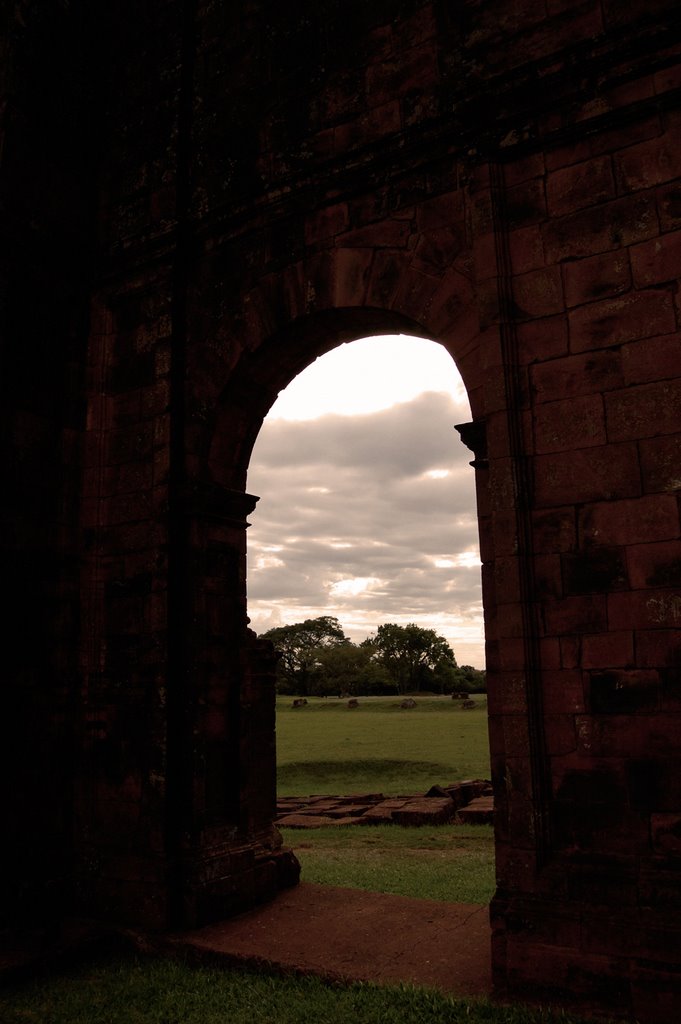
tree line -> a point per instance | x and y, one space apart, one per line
316 658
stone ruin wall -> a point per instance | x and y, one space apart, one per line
256 184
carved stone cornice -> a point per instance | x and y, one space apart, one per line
206 501
474 436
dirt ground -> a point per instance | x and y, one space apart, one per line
349 934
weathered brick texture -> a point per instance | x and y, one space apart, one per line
199 200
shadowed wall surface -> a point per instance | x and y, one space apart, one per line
198 199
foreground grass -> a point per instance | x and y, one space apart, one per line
164 992
454 863
327 748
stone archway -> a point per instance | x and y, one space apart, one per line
218 726
316 534
244 404
268 363
501 178
214 733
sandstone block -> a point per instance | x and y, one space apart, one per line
622 319
579 185
479 811
425 811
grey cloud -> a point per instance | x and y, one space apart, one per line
394 519
424 429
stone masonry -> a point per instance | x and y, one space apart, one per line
198 198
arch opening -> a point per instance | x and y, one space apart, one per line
369 516
383 452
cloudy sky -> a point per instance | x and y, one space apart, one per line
367 501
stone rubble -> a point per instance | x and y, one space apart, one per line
470 802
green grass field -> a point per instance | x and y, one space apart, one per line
327 748
379 747
454 863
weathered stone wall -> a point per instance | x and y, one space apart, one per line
273 180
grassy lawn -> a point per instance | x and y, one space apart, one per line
443 862
327 748
163 992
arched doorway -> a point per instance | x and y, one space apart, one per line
367 514
253 387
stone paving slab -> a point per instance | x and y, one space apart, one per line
439 805
426 811
376 817
304 821
478 812
347 810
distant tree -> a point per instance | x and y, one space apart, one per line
472 679
445 677
411 654
348 668
299 647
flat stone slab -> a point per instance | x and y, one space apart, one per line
305 821
347 810
426 811
478 812
382 813
438 806
375 816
